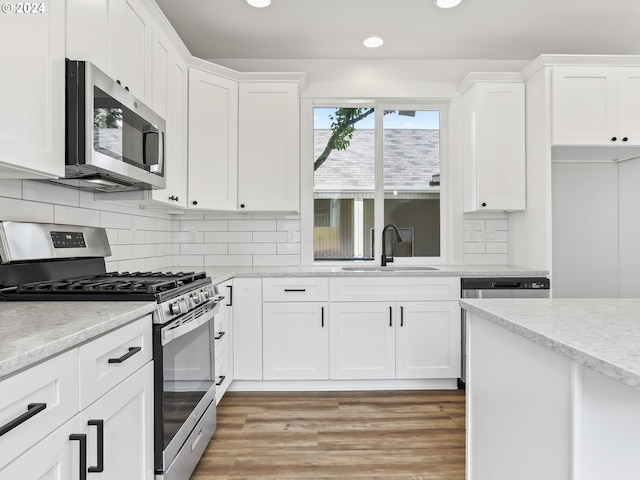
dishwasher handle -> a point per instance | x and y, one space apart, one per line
511 285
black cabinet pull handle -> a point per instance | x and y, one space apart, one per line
391 316
82 438
230 287
295 289
613 139
219 336
322 316
625 139
221 379
402 316
32 410
132 351
99 447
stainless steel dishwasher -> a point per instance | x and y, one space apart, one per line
498 287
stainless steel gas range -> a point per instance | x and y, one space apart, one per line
40 262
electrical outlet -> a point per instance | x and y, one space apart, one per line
488 235
193 236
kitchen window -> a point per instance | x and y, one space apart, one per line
374 165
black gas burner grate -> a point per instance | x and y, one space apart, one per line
151 283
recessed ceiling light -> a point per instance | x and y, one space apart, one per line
259 3
373 42
447 3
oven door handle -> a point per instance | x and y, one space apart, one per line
170 333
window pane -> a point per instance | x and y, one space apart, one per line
343 183
412 181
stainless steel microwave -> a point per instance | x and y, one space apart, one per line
114 141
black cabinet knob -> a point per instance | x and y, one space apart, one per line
484 204
195 202
613 139
242 205
625 139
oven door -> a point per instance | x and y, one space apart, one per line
184 380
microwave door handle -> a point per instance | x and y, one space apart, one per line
146 131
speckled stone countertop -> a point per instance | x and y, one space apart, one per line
34 331
602 334
221 275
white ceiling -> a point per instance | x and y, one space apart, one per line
412 29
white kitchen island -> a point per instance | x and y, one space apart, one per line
553 389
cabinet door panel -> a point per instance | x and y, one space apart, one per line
296 341
32 121
584 101
127 413
362 341
88 26
54 458
247 328
269 147
213 141
428 340
629 104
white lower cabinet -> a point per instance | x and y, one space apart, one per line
125 414
223 325
110 434
247 329
295 341
428 340
362 341
57 457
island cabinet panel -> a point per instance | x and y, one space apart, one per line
610 428
519 401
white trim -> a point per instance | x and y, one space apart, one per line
341 385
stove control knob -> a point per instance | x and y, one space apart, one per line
174 308
205 295
195 298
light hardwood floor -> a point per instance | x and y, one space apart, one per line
398 435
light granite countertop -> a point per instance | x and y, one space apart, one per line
221 275
602 334
34 331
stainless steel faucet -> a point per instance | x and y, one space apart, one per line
399 239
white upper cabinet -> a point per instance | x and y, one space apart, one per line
494 147
116 36
170 86
32 120
595 106
269 151
213 141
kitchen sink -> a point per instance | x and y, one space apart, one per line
377 268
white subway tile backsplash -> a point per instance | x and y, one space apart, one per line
485 259
270 237
276 260
115 220
11 188
227 237
50 193
125 236
157 263
473 247
189 260
474 224
473 235
288 249
252 248
203 225
497 224
252 225
203 249
497 247
121 252
227 260
24 211
288 224
76 216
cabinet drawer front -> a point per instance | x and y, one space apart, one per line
295 289
108 360
53 383
393 289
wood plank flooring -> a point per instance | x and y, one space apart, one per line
398 435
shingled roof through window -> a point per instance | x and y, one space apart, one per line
412 157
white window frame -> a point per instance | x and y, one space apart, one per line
306 177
